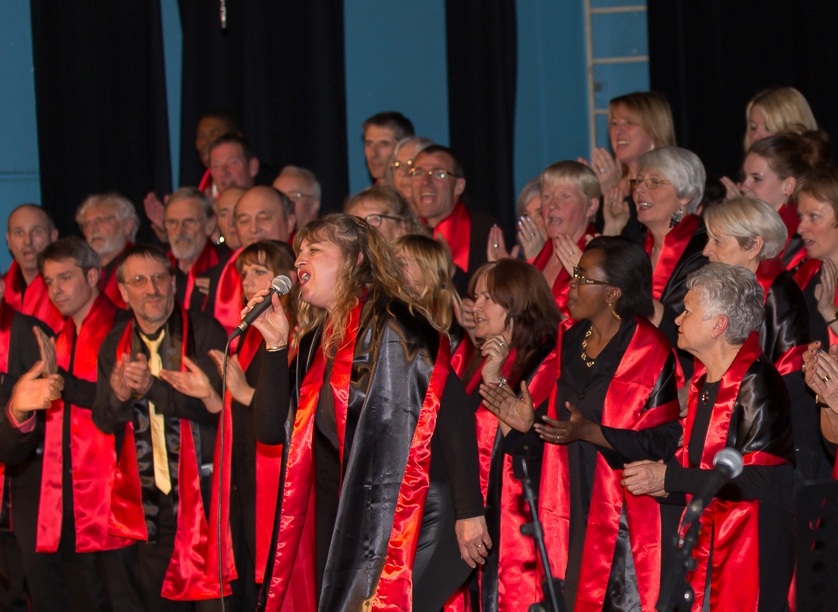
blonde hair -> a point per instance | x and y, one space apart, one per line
785 110
434 260
653 113
745 218
368 264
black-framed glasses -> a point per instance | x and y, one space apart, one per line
437 173
160 279
651 183
375 220
584 280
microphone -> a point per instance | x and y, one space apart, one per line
727 464
280 285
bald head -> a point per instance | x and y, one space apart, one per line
29 230
263 213
225 212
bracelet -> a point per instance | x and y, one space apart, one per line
277 348
833 319
502 382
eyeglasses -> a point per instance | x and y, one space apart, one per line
86 225
160 279
403 166
188 224
375 220
584 280
651 183
438 173
298 195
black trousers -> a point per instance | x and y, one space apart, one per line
12 593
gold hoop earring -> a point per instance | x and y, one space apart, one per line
614 312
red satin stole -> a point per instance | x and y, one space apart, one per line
633 383
206 181
674 245
803 276
462 356
456 229
518 581
93 452
207 259
229 296
562 282
193 570
788 213
35 301
733 527
7 313
768 270
110 286
294 557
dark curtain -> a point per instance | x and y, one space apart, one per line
709 57
280 67
482 71
101 102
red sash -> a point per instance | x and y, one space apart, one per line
456 229
206 181
7 313
35 301
193 570
733 527
628 392
768 270
207 259
518 581
788 213
674 245
803 276
229 296
294 552
110 287
562 282
93 452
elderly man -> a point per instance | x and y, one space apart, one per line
303 189
61 516
225 212
438 184
109 223
381 133
29 230
145 369
190 221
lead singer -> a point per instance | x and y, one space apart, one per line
359 463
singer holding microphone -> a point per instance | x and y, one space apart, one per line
737 400
371 418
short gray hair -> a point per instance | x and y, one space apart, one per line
528 192
124 209
192 193
680 167
745 218
307 175
732 291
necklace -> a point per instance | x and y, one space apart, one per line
588 362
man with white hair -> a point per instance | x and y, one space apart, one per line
303 189
109 223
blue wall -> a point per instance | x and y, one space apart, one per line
173 49
19 169
395 60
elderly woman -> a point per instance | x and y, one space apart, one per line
737 400
750 233
397 174
364 454
383 207
531 235
614 402
570 196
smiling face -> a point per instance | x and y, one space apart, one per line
817 228
565 209
628 138
761 182
152 301
756 124
70 289
724 248
29 234
655 207
489 317
318 266
434 197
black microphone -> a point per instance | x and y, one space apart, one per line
727 464
280 285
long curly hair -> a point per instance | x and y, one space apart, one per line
376 271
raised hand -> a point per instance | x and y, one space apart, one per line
565 432
496 246
32 392
237 384
137 374
495 350
531 237
272 323
615 212
515 413
47 347
567 252
194 383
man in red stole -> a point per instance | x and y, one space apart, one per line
109 224
29 231
178 562
381 133
190 221
438 184
65 515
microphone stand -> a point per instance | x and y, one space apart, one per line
551 587
676 593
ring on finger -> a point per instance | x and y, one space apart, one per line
826 378
495 245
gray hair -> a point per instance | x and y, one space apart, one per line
680 167
193 193
307 175
529 191
124 209
733 292
745 218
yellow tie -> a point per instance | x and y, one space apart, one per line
157 422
